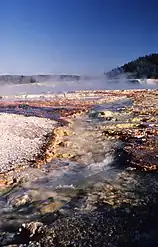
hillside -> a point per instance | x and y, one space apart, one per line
143 67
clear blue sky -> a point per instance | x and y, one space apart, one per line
75 36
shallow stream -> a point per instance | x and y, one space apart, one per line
96 168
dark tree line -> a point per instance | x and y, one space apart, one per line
143 67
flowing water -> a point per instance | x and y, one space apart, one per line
95 166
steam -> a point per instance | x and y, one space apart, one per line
99 83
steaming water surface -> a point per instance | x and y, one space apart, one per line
64 86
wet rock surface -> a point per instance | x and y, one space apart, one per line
139 131
95 182
131 222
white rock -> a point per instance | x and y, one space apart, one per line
21 138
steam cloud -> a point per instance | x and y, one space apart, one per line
64 86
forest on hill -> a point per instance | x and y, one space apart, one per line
143 67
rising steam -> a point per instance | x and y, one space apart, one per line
100 83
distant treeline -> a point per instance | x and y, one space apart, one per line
22 79
143 67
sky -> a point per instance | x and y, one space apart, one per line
75 36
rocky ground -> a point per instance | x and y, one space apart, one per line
21 139
106 142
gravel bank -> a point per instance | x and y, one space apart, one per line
21 138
